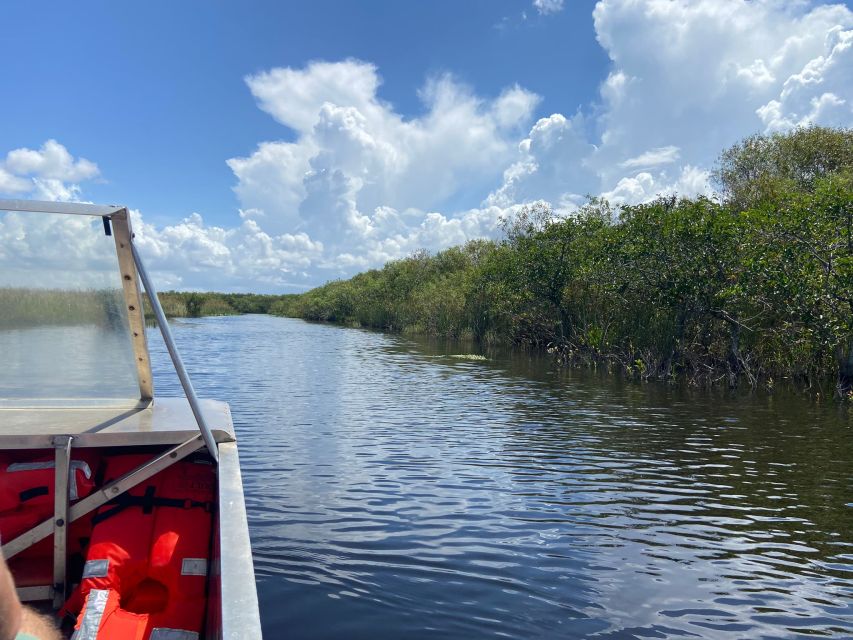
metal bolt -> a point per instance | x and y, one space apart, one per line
114 489
60 522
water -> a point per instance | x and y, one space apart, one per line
395 492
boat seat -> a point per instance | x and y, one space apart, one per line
146 565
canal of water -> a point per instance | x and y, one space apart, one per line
395 491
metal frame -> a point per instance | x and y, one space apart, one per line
46 206
31 594
132 270
133 300
62 479
238 610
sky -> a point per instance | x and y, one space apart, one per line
272 146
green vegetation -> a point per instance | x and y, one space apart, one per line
756 286
185 304
22 307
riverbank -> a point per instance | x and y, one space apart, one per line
753 287
22 307
194 304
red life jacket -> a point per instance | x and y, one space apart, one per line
26 499
27 480
146 566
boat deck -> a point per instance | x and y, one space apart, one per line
164 421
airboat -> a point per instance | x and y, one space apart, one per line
121 512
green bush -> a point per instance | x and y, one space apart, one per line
755 286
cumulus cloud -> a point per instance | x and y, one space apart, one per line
364 181
821 92
188 254
645 186
52 250
687 79
48 173
52 161
551 164
28 242
12 184
351 145
192 254
695 74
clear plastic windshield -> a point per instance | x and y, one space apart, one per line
64 336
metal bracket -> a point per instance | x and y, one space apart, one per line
62 478
105 494
133 301
29 594
183 376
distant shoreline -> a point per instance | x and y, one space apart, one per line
754 287
22 307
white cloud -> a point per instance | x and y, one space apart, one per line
294 96
461 142
653 158
52 162
694 74
49 173
11 184
687 80
551 164
644 186
191 254
363 180
52 250
821 92
546 7
271 179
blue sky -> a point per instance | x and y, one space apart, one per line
154 91
271 146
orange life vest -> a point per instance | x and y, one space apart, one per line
27 480
146 567
26 498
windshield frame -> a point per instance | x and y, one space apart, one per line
116 223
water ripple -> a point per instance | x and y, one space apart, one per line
394 492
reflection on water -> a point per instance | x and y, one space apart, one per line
61 365
395 492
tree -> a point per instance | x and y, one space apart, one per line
194 304
761 167
803 258
682 258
